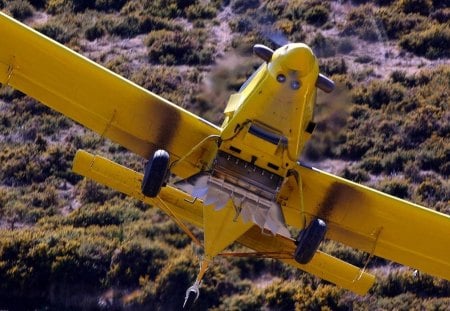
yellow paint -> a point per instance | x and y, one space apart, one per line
128 181
142 122
220 228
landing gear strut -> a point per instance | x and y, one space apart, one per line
308 241
193 292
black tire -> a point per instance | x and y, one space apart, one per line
308 241
155 173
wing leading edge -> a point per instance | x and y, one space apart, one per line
98 98
378 223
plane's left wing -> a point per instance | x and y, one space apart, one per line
96 97
377 223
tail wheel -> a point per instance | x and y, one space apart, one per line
155 173
308 241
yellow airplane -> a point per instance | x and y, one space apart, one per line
240 182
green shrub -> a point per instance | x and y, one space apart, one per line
107 214
282 295
109 5
422 7
432 190
201 11
252 300
242 24
20 9
57 6
441 16
434 154
333 67
345 46
394 162
378 94
92 192
420 125
355 146
323 46
432 43
356 175
364 59
175 48
317 15
57 30
126 27
361 22
38 4
396 24
94 32
241 6
372 164
396 187
137 258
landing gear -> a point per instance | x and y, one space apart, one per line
155 173
308 241
193 292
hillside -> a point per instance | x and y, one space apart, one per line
68 243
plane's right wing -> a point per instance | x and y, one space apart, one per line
98 98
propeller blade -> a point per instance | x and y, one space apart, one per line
325 84
263 52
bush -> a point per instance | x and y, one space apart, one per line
317 15
109 5
135 259
422 7
345 46
241 6
396 187
94 32
372 164
356 175
397 24
20 9
434 154
176 48
323 46
378 94
360 22
432 43
201 11
57 30
333 67
38 4
432 190
127 27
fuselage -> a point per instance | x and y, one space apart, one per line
270 119
266 126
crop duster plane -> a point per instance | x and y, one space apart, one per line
240 182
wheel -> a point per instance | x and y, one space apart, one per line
155 173
308 241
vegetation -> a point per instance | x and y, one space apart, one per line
69 243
